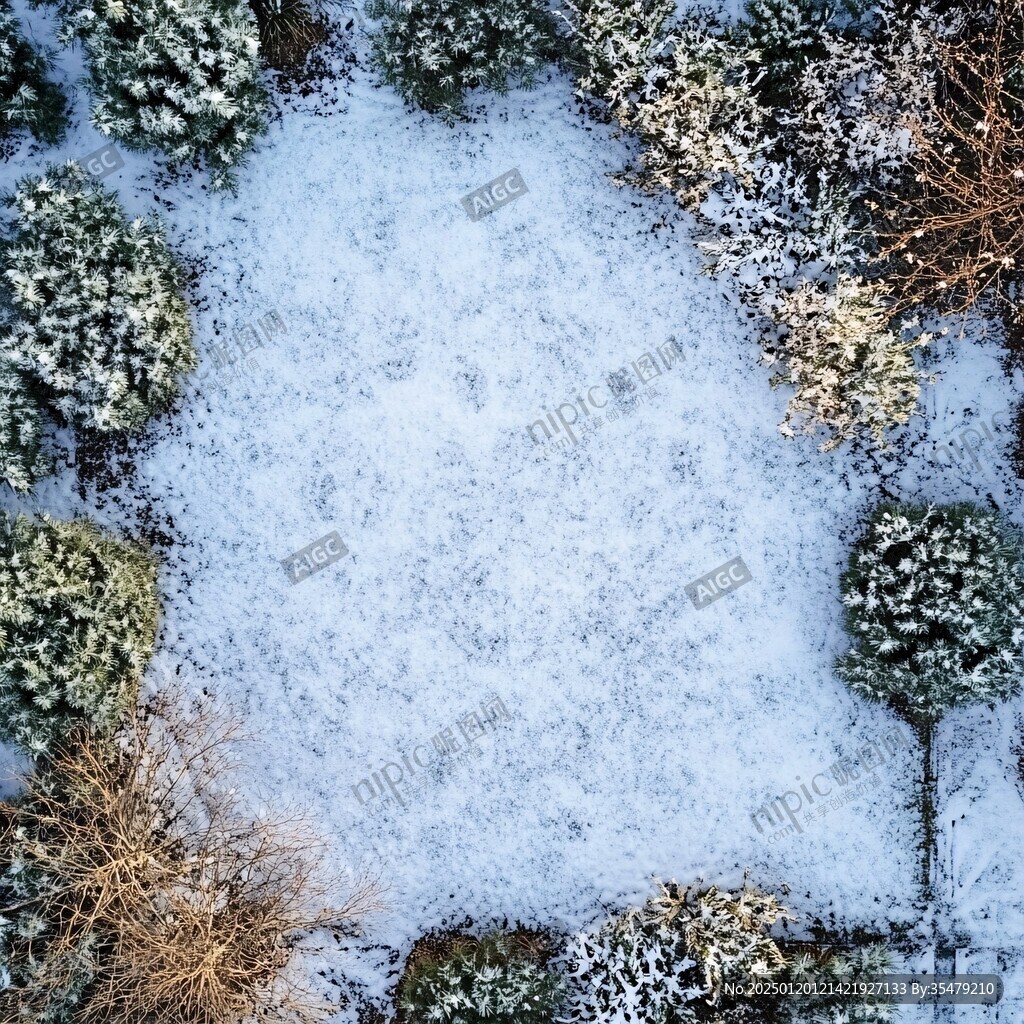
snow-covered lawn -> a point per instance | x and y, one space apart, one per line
643 734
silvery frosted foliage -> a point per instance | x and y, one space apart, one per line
78 619
613 45
180 76
479 981
21 459
667 961
852 373
697 118
27 99
782 132
857 106
783 228
630 971
433 51
99 321
934 598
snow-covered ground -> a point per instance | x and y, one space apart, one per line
637 736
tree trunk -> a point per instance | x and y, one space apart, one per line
929 796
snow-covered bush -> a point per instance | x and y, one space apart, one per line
432 51
613 44
78 618
783 133
784 36
631 970
835 968
658 963
471 980
789 248
99 321
852 373
726 932
934 600
859 106
782 230
180 76
21 459
697 119
27 99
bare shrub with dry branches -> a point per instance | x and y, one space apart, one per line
139 890
960 230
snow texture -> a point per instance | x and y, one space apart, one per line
642 733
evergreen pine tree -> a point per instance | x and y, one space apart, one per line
78 619
27 99
934 600
99 323
181 76
432 51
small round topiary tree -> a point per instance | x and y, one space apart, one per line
934 598
180 76
461 979
432 51
78 620
27 99
99 322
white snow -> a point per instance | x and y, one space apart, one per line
420 345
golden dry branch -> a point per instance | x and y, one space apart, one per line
961 232
196 907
